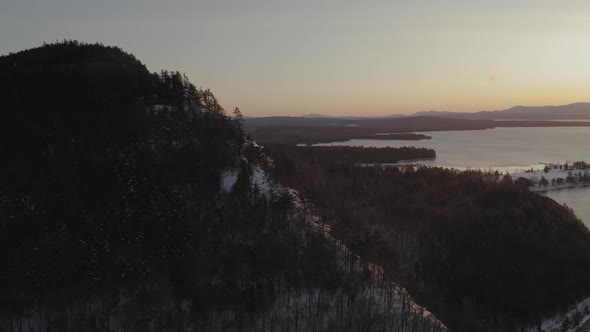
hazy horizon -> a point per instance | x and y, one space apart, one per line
411 113
337 57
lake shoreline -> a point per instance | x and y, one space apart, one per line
561 187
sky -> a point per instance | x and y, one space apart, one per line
336 57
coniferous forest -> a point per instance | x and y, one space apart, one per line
132 201
482 254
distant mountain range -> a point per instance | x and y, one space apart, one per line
322 116
571 111
576 111
564 112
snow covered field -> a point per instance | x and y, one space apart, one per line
556 178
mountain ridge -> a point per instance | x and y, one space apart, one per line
572 111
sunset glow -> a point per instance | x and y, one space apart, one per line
337 57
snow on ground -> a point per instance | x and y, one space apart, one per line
228 179
562 186
554 324
376 271
266 186
551 174
260 180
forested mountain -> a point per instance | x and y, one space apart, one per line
130 200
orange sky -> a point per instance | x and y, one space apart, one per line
345 57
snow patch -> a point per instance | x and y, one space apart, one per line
553 174
555 323
229 177
260 180
550 175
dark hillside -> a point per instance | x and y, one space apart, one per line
132 201
485 255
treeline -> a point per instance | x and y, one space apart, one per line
347 154
112 215
570 178
484 255
394 136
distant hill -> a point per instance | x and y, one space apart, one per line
314 128
570 111
406 123
293 130
350 117
306 129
